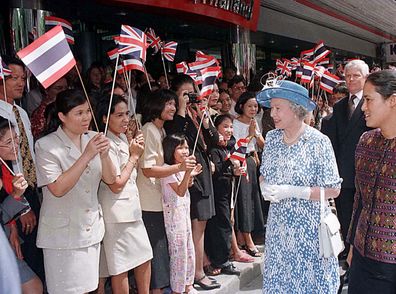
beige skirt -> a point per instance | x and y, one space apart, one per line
125 246
72 270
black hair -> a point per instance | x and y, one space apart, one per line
94 65
169 145
142 97
242 100
236 80
154 106
64 102
384 82
220 118
4 126
341 88
103 107
179 80
13 60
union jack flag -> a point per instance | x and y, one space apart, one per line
133 42
4 71
153 40
169 50
209 76
328 81
283 67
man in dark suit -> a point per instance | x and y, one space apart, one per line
344 129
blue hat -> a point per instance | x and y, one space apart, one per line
286 90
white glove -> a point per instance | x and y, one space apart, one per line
275 193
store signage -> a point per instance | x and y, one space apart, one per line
243 8
390 52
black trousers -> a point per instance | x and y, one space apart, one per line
344 205
31 254
367 276
218 234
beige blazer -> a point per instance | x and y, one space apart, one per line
75 219
124 206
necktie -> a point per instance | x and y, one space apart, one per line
29 171
351 105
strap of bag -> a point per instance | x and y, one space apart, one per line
322 202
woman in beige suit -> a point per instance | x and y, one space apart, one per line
125 245
71 162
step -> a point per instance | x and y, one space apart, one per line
233 284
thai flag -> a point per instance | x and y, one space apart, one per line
49 57
324 61
240 149
283 67
318 72
52 21
132 42
129 62
169 50
307 55
320 52
153 40
245 172
209 76
328 81
182 67
307 72
202 61
299 70
4 70
113 54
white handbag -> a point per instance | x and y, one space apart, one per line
330 241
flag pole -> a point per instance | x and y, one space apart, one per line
236 192
10 128
7 167
86 95
111 95
163 64
199 129
128 79
147 77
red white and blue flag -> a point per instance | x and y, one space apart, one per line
307 55
153 40
328 81
113 54
202 61
169 50
52 21
209 76
182 67
294 62
4 70
49 57
132 41
239 151
129 62
307 72
320 52
283 67
318 72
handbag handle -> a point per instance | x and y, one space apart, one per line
322 202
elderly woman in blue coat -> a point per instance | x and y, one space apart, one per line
297 160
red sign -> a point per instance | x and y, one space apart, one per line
239 12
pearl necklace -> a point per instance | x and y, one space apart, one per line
288 141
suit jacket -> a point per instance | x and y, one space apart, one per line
123 206
344 134
75 219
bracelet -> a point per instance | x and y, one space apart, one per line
26 211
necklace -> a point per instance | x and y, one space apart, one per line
291 141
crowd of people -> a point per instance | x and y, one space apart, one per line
139 187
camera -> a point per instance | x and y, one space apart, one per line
193 97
